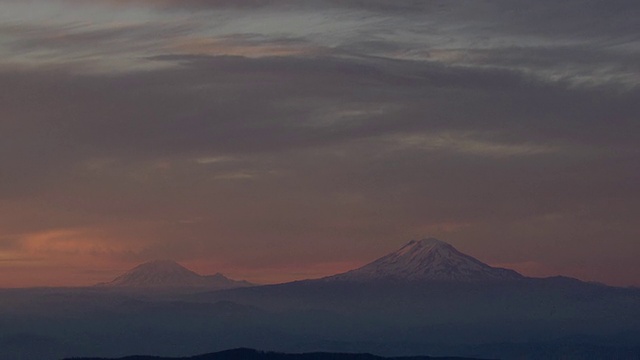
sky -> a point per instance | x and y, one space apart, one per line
275 140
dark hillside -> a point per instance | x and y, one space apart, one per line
250 354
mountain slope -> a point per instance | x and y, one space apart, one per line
170 274
427 260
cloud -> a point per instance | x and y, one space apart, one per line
469 144
246 45
325 132
581 46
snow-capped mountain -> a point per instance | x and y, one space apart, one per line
170 274
427 260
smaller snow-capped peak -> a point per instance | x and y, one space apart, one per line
158 273
170 274
427 260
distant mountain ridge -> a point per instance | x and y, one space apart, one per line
425 298
170 274
427 260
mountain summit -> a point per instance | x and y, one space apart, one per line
427 260
170 274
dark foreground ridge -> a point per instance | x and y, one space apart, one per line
251 354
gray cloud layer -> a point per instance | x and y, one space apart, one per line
324 131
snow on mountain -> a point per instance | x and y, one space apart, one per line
170 274
427 260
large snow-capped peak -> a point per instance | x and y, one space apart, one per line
170 274
427 260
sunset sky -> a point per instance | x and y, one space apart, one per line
274 140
